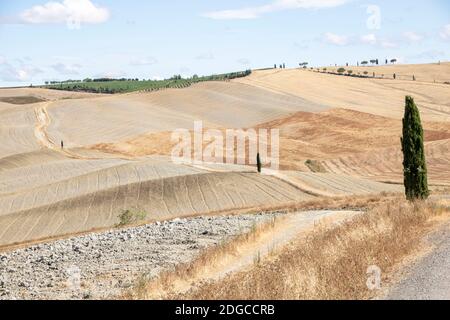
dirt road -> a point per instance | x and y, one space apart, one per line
40 132
249 252
429 279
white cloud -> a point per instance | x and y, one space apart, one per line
157 78
18 74
412 36
387 44
276 5
68 11
67 69
445 33
143 61
243 61
111 75
336 39
369 39
354 40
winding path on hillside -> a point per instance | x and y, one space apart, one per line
43 121
40 132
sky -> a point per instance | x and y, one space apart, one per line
75 39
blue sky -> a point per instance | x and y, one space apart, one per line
75 39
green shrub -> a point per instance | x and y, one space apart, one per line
315 166
131 216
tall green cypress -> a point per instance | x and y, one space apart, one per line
414 164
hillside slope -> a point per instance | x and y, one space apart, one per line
375 96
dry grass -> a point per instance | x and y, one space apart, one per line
332 264
327 264
172 281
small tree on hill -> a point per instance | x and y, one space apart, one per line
414 163
341 70
258 163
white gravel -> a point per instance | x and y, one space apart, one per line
102 265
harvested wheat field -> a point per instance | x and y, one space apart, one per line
339 136
384 97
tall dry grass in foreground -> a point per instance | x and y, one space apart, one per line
331 264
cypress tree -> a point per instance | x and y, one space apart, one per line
414 164
258 163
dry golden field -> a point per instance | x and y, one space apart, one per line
116 147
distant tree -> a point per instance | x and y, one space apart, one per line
414 163
393 61
386 61
364 63
325 69
341 70
366 73
350 72
376 62
395 76
258 163
274 66
46 83
373 61
284 66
